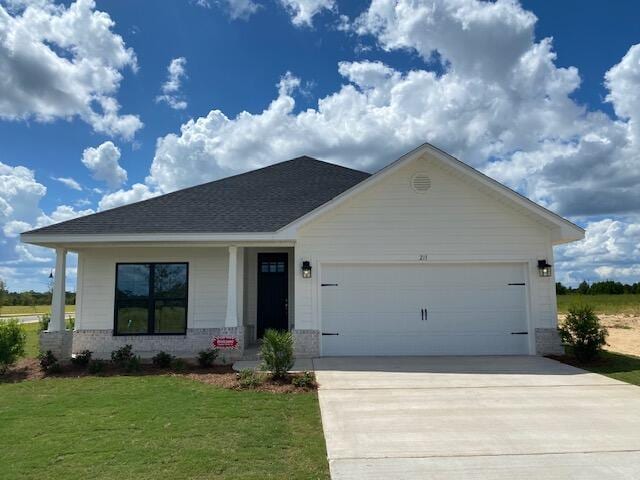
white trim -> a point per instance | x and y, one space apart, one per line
567 231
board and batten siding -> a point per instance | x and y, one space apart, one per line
454 221
207 301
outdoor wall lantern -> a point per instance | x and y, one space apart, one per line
306 269
544 269
51 274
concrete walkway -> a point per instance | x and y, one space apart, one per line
493 418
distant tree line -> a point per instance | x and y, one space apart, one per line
608 287
30 298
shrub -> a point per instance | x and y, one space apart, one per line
49 362
12 342
277 352
583 332
43 322
207 357
71 323
162 360
179 365
133 365
306 380
122 356
96 367
247 378
81 359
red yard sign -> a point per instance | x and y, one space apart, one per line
225 342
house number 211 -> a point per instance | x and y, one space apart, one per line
422 257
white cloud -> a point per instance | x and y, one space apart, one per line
102 161
137 193
303 11
69 182
236 9
60 62
171 93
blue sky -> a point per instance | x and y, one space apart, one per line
518 90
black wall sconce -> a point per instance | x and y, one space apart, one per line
306 269
544 269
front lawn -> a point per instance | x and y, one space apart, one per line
615 365
156 427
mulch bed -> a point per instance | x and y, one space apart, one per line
218 375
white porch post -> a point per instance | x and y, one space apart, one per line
57 322
231 319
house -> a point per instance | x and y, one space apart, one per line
425 257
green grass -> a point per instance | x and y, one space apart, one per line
37 309
615 365
32 348
605 304
156 427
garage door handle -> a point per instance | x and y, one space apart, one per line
323 333
422 313
519 333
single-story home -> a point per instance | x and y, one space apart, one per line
427 256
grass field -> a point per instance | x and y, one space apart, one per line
156 427
625 368
23 309
606 304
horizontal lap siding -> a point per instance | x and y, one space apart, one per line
454 220
207 283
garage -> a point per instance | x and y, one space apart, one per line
424 309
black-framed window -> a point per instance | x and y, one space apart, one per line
151 298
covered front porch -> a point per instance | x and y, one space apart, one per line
125 296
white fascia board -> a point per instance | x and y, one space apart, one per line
111 239
564 231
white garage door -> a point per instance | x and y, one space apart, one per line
453 309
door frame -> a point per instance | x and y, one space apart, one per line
526 264
259 284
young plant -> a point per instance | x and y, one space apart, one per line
207 357
49 362
81 359
96 367
12 342
43 322
179 365
247 378
163 360
122 356
277 352
306 380
583 333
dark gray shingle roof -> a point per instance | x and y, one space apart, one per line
263 200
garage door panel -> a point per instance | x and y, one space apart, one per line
376 309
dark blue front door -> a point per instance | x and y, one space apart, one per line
273 292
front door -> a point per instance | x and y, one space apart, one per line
273 292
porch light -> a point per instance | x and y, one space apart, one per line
306 269
544 269
51 274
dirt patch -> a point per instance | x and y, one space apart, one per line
624 332
219 375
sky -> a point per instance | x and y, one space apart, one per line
103 103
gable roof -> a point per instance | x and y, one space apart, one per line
262 200
562 230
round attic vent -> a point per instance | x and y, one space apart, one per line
420 182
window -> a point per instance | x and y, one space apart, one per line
272 267
151 298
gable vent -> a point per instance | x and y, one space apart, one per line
420 182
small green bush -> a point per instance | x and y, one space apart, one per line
277 352
163 360
207 357
81 359
248 378
179 365
12 342
583 333
96 367
49 362
43 322
71 323
306 380
122 356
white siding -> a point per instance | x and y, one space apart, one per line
453 222
207 283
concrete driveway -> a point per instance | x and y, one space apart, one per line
476 418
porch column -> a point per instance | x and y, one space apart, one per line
57 322
234 288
